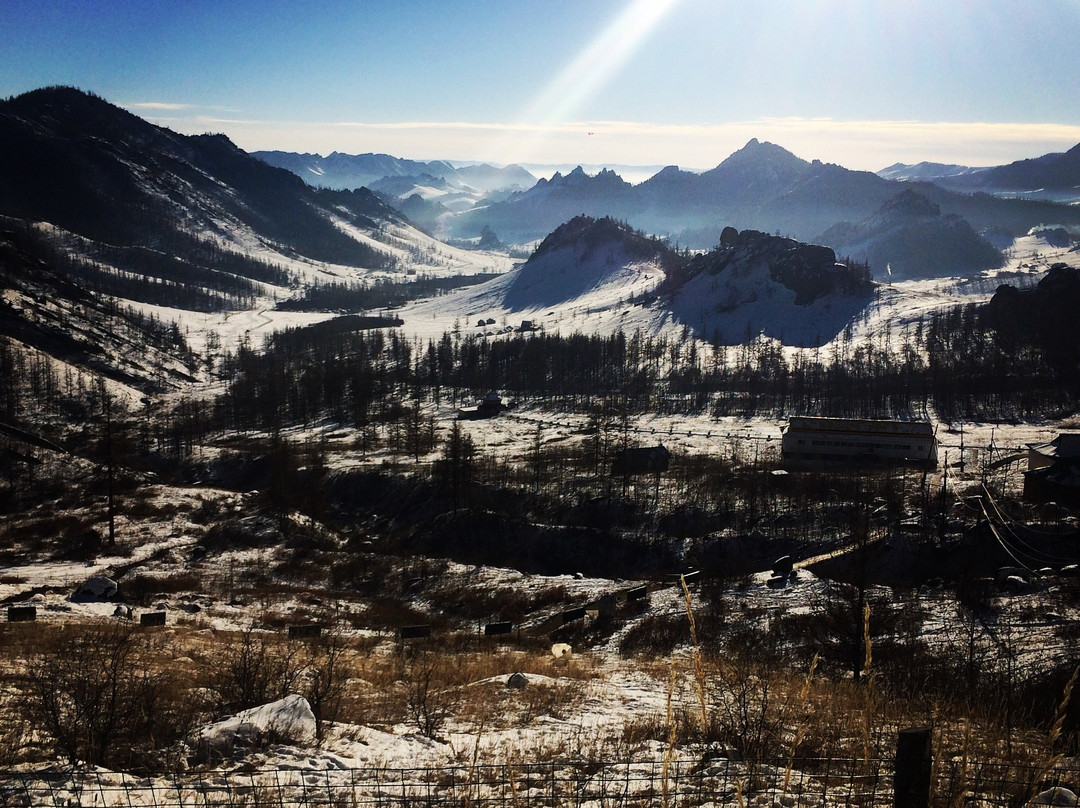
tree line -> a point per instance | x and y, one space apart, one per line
953 363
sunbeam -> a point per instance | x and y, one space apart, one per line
569 92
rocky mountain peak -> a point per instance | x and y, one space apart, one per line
909 204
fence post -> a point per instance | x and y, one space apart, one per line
911 780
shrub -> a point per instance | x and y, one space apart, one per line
99 697
254 670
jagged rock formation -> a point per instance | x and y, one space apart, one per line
1044 316
756 283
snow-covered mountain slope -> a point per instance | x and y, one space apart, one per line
104 211
586 266
598 275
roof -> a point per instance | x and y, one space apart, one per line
861 426
1067 444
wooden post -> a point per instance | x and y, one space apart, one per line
914 756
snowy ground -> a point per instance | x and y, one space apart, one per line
605 307
606 693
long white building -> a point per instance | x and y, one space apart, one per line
811 440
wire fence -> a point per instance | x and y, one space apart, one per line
580 784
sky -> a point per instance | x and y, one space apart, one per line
862 83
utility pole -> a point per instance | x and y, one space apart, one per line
107 403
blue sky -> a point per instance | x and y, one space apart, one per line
864 83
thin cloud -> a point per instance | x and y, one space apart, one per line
855 144
158 105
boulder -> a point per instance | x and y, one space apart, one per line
1056 796
783 565
561 650
98 587
517 681
288 720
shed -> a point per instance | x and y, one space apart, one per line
641 460
1065 446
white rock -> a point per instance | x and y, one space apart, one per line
97 588
288 720
561 650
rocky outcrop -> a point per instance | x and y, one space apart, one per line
809 270
754 283
1044 316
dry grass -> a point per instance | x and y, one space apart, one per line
736 701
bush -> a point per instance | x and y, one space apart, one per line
255 670
141 589
99 697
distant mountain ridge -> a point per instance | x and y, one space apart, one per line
427 192
1054 177
761 186
349 171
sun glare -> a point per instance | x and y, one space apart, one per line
581 80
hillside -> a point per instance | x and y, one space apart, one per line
1052 177
93 169
908 237
103 210
52 313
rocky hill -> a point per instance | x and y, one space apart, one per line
909 237
754 283
1044 316
583 263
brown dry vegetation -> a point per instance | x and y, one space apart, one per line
745 703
